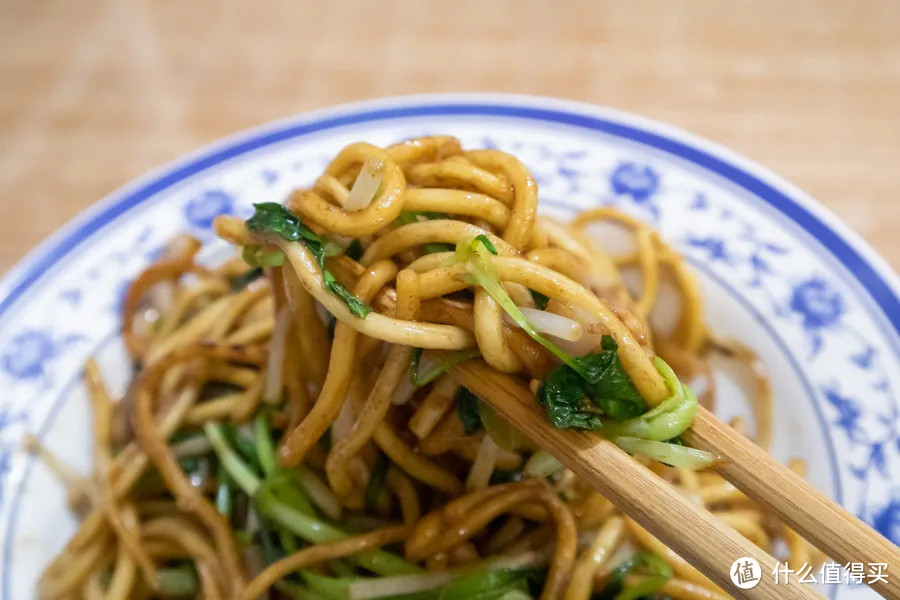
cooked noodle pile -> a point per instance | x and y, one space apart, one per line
293 428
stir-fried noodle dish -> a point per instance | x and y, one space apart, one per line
294 427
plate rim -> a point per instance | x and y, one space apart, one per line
878 274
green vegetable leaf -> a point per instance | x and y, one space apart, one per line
668 419
283 485
542 464
274 219
354 250
230 460
192 464
563 396
612 390
288 541
540 300
331 248
467 407
487 243
358 308
564 391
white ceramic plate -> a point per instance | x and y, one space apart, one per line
778 271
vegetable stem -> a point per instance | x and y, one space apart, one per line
477 253
541 464
305 525
667 453
483 581
316 531
453 359
265 449
239 471
224 493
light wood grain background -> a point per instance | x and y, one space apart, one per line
93 93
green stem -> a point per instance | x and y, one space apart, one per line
283 486
482 275
329 588
288 541
239 471
224 493
305 526
316 531
265 449
445 365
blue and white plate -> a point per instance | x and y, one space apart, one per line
779 272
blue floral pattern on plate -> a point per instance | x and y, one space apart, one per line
635 180
206 206
27 354
820 304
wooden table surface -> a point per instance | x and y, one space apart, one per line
94 93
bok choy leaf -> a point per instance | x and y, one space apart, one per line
272 218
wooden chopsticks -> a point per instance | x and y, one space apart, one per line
826 524
687 528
